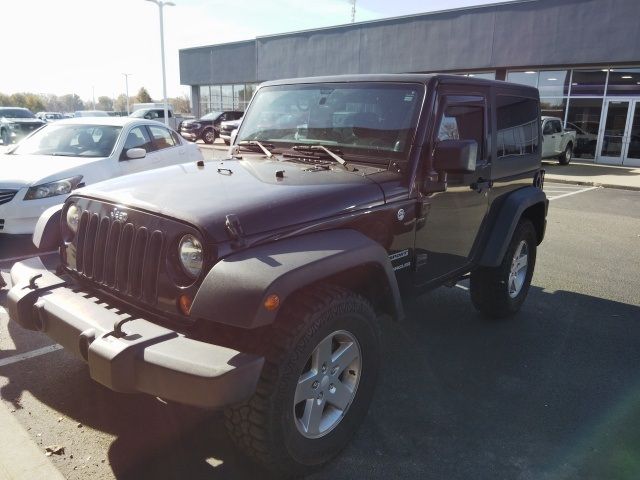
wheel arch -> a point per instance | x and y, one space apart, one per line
235 289
528 202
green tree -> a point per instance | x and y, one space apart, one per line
143 96
180 104
71 102
104 103
120 103
5 100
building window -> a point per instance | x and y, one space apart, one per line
517 125
529 77
584 117
553 83
483 75
624 81
588 82
553 107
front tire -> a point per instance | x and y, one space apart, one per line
499 292
209 136
319 377
565 158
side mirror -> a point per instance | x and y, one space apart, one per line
134 153
455 156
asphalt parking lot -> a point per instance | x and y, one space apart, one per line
551 394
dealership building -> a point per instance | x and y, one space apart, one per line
582 55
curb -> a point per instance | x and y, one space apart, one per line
20 458
553 178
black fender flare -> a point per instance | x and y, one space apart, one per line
504 224
47 235
234 290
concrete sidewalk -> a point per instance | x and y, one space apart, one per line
583 173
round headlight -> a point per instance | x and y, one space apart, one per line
191 255
73 217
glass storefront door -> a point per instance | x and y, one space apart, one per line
633 149
620 137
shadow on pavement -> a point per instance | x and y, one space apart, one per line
552 393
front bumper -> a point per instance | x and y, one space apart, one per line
190 135
127 353
21 216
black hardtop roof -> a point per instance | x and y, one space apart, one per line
424 78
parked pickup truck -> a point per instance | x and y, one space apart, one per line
557 142
259 282
157 113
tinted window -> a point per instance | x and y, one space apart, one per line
463 119
16 113
517 125
161 137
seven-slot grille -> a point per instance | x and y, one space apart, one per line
119 255
7 195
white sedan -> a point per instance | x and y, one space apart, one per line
45 167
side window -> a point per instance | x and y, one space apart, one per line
557 126
463 119
547 129
223 117
176 137
161 137
517 125
137 138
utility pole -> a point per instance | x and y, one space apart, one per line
161 4
126 82
353 11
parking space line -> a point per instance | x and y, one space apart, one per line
462 287
574 193
27 355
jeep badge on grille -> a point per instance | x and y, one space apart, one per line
119 215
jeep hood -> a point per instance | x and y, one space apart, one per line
204 196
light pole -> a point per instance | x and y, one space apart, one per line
126 84
161 4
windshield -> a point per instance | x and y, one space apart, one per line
16 113
377 119
211 116
70 141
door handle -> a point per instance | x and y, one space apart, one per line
481 185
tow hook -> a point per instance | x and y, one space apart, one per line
32 281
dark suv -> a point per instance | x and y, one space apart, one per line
16 123
258 283
207 127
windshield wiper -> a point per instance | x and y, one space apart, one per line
322 148
255 143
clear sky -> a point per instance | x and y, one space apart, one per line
81 46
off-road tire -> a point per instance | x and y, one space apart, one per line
489 285
566 156
264 427
209 136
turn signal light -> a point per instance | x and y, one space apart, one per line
184 303
272 302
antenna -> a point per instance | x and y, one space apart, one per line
353 11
